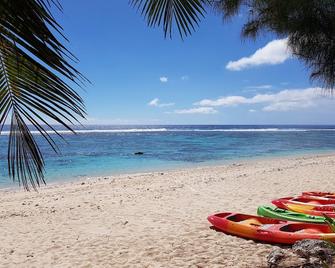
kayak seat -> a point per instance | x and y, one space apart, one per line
314 203
252 222
309 231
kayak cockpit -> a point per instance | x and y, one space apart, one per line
306 228
251 220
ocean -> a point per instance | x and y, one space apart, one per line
109 150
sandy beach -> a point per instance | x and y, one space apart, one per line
151 220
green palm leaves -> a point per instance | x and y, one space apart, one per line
33 69
309 25
185 14
330 222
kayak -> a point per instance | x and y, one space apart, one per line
269 229
311 204
305 209
321 194
326 198
310 200
283 214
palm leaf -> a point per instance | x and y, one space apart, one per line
34 67
330 222
185 14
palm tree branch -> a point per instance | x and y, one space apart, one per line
185 14
33 66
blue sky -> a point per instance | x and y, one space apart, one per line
138 77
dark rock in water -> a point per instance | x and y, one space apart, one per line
306 253
138 153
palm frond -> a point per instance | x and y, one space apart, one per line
330 222
32 90
185 14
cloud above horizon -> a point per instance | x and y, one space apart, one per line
259 87
199 110
156 103
274 52
164 79
285 100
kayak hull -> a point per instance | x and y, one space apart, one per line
268 229
283 214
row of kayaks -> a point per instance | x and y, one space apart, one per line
308 216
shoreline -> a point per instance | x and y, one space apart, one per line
189 166
151 219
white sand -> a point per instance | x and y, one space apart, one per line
151 220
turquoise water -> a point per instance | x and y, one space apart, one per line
106 150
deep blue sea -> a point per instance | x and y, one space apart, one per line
106 150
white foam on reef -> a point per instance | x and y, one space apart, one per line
143 130
84 131
261 130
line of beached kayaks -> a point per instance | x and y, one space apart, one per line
309 216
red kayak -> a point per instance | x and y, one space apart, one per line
320 194
269 229
309 200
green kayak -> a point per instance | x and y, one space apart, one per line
287 215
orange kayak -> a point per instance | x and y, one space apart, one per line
306 208
303 209
268 229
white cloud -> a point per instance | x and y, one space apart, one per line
118 121
252 110
163 79
156 103
284 100
275 52
224 101
185 77
287 106
259 87
199 110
